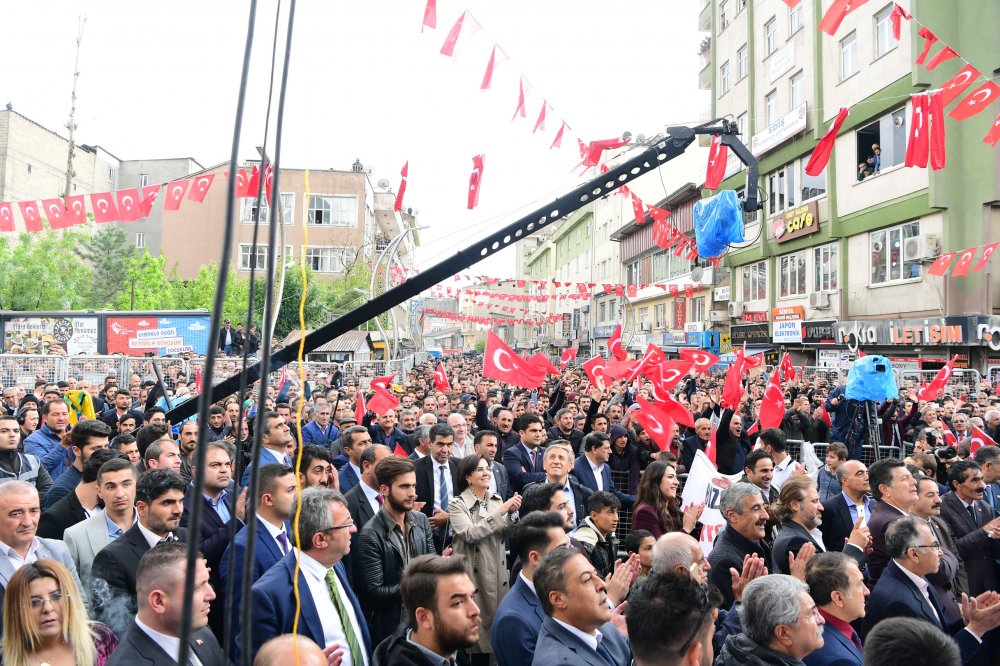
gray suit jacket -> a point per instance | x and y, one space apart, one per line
556 645
48 549
84 540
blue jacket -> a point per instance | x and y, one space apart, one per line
518 620
313 434
266 458
44 444
837 650
348 479
585 475
840 421
519 469
273 599
556 645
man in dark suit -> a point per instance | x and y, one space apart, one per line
524 459
123 406
152 638
79 503
486 444
330 613
972 523
950 580
354 441
742 505
437 483
520 616
592 470
570 591
837 586
558 461
895 492
159 503
842 511
903 590
800 512
364 499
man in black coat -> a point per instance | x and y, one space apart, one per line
975 529
842 511
364 500
437 483
743 507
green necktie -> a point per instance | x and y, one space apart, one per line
345 619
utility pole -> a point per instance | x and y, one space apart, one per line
70 124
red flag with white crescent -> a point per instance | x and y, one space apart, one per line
103 205
935 116
76 211
941 264
667 375
568 354
382 402
175 194
475 180
398 206
732 388
993 136
595 372
128 204
653 356
441 378
147 197
958 84
382 382
788 368
702 359
978 100
55 213
772 405
253 182
6 216
961 268
542 362
502 364
615 344
657 423
834 16
936 385
949 438
199 187
980 439
987 255
718 154
400 451
918 145
32 218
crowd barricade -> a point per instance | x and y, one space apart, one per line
832 376
620 481
963 381
95 369
25 369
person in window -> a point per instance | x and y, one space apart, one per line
863 171
876 158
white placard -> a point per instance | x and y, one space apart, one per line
781 62
721 294
705 484
783 128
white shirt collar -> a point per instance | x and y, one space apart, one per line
151 538
273 530
311 566
591 640
784 463
31 555
597 468
369 492
531 585
169 644
357 470
919 581
277 455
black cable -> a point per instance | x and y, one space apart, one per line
205 399
265 361
227 632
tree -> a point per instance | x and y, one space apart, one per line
108 252
35 273
147 285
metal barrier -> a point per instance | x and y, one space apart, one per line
620 481
832 376
25 369
813 454
963 381
95 369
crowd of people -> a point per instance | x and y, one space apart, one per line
489 524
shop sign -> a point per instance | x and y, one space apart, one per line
780 130
789 313
795 223
725 343
50 335
781 62
605 331
680 312
754 317
721 294
832 358
787 332
752 334
988 332
942 331
818 332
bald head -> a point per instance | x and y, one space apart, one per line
280 651
427 418
675 551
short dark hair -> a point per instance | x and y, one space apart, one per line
121 440
312 452
550 576
127 416
467 466
148 414
420 581
537 497
215 409
774 438
907 640
602 499
92 468
839 449
155 482
525 420
634 540
958 469
85 429
47 406
155 450
391 467
148 434
477 440
755 457
826 573
532 532
880 473
267 482
987 454
347 436
663 612
116 464
161 557
595 440
440 430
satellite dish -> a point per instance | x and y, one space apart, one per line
383 183
626 136
697 273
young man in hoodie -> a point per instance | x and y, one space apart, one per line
597 531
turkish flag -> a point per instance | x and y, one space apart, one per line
918 145
702 359
521 110
653 356
657 423
717 156
987 255
711 449
448 48
825 415
475 179
490 65
821 153
618 368
676 411
945 54
929 39
615 344
661 228
382 382
732 388
253 183
994 133
976 101
772 404
76 211
541 362
568 354
835 15
398 206
935 116
241 188
592 151
6 217
557 142
791 5
540 123
430 18
32 218
638 209
957 84
128 204
400 451
175 192
199 188
104 208
382 402
668 374
788 368
502 364
980 439
898 14
949 437
941 264
268 182
595 372
360 409
754 361
441 378
961 269
934 388
148 198
55 213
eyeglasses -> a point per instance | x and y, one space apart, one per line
706 608
347 525
54 599
929 545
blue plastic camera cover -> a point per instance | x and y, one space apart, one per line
871 378
718 222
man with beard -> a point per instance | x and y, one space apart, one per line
950 580
669 622
394 537
217 428
17 466
123 406
801 514
743 508
275 439
187 440
443 619
316 468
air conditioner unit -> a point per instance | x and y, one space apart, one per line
736 309
645 326
919 248
717 316
819 300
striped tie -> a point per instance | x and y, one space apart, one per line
345 619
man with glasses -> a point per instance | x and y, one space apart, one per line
781 624
330 613
903 590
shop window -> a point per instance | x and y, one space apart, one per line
792 274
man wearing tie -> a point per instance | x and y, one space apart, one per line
971 521
558 461
437 475
275 439
988 459
524 459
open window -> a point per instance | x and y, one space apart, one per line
888 133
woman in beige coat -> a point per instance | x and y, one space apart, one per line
481 521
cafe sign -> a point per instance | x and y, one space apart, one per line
795 223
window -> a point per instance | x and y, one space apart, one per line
796 17
579 235
603 308
741 123
723 15
849 56
328 259
825 267
643 318
791 186
112 174
887 254
770 37
755 282
742 62
660 313
661 266
612 312
888 136
140 240
792 272
698 309
724 78
884 39
333 210
740 5
771 106
247 261
797 90
249 210
143 179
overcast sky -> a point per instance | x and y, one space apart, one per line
161 79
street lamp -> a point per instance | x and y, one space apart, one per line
390 251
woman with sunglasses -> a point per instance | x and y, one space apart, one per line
481 520
45 621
